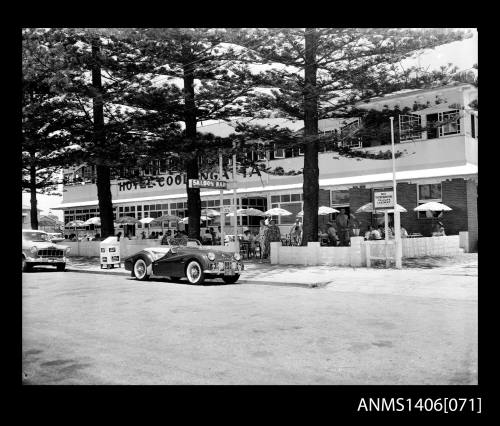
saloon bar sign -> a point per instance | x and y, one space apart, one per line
383 199
204 183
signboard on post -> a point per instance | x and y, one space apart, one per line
383 200
205 183
226 209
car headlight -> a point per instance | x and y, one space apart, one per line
33 249
211 256
237 256
68 249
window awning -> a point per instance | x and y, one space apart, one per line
464 170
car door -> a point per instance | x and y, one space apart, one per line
171 265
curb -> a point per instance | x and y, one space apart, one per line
319 284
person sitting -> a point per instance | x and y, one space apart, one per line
332 236
183 237
381 230
207 238
97 237
438 230
373 234
404 233
152 236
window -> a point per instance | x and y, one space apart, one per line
295 197
340 197
451 128
279 152
426 193
285 198
407 125
348 132
275 198
293 208
473 125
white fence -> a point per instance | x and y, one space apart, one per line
360 251
127 247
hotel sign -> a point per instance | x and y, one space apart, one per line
383 199
205 183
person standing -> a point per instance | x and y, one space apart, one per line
342 222
355 225
272 234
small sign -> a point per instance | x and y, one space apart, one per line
383 200
206 183
226 209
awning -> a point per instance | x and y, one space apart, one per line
465 170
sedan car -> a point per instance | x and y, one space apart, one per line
38 249
185 258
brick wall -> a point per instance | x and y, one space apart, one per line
454 192
407 197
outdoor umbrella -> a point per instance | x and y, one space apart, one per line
432 206
277 212
186 219
127 220
368 208
147 221
247 212
75 224
96 221
211 212
322 210
167 218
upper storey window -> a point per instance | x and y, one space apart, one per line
408 127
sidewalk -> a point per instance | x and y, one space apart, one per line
289 275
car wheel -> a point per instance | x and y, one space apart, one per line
61 267
26 266
141 270
194 272
232 279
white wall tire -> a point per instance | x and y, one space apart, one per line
194 272
141 270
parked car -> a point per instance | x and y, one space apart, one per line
185 258
38 249
55 237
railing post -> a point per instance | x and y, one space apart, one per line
367 251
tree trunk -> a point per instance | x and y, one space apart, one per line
311 169
103 173
192 166
33 201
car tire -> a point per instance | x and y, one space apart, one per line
141 270
61 267
194 272
232 279
26 266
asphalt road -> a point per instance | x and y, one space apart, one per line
97 329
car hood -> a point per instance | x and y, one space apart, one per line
43 245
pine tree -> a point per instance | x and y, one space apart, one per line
324 72
98 69
198 76
46 119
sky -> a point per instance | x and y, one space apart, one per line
463 54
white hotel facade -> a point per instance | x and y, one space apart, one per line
440 165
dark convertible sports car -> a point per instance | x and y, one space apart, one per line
181 258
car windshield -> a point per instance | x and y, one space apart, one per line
35 236
185 242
